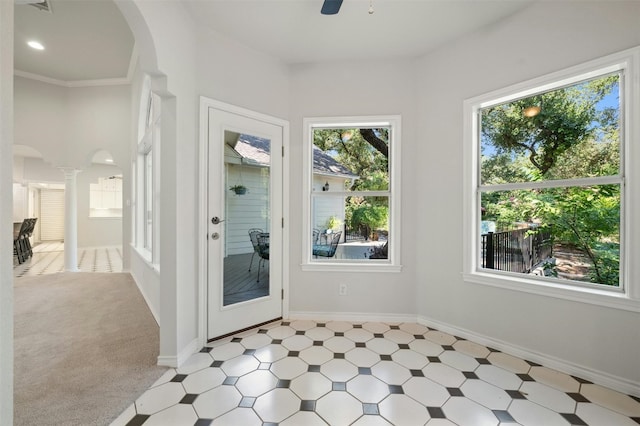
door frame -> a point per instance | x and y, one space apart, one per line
202 227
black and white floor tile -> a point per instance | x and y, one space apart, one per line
309 373
48 258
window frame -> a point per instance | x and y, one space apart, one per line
147 191
393 262
627 295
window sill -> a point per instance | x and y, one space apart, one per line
350 267
145 255
611 299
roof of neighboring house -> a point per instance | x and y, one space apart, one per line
325 164
255 150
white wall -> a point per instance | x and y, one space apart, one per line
230 72
325 207
168 53
548 36
223 70
20 202
247 211
6 153
68 125
314 90
41 118
96 231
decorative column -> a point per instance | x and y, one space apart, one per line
70 220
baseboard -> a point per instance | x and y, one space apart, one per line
146 299
598 377
177 361
351 316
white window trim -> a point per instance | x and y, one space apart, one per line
627 297
149 134
392 264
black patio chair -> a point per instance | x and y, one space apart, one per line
253 236
31 227
21 244
380 252
329 249
263 250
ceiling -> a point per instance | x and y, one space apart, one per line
84 40
296 32
90 40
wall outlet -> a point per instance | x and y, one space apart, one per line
343 290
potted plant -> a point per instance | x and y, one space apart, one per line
239 189
333 223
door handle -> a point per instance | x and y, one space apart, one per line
216 220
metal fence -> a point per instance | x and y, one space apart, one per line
355 234
518 250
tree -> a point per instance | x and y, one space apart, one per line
366 153
572 136
589 219
564 118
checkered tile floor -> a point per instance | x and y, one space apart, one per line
338 373
48 258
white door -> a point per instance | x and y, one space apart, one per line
52 214
244 284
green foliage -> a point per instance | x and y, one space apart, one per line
369 217
238 189
589 219
334 223
350 148
570 138
567 117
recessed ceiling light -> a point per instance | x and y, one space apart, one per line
35 45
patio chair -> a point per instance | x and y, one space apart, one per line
21 244
380 252
329 249
29 232
253 236
263 250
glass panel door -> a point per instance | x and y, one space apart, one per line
248 218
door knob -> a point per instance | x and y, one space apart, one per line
216 220
215 236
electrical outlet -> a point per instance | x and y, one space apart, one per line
343 290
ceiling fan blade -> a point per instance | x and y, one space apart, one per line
331 7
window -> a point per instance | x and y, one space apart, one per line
147 160
105 197
547 178
351 186
145 170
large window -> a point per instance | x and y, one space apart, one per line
351 182
147 177
548 184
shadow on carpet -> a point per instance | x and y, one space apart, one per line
86 346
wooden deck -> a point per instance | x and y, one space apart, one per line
240 284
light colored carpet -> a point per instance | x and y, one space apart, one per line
86 347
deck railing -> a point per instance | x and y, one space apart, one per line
518 250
